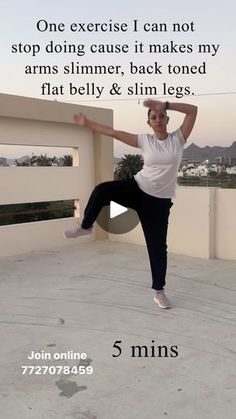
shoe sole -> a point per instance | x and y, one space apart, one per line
160 305
79 235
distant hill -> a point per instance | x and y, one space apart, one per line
196 153
13 161
199 154
192 152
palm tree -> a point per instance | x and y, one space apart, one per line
128 166
42 160
66 160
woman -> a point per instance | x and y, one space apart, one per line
150 191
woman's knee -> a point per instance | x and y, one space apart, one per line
102 190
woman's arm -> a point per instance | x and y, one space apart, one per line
190 112
189 119
125 137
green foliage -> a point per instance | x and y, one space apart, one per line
66 160
222 180
37 211
212 173
44 160
128 166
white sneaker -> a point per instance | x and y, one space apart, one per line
77 232
162 300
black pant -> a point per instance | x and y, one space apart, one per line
153 214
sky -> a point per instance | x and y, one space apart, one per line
212 89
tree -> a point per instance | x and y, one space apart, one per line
66 160
42 160
128 166
212 173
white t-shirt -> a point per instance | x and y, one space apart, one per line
162 159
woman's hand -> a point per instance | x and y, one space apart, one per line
155 105
80 119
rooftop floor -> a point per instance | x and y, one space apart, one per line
87 296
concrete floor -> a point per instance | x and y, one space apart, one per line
86 297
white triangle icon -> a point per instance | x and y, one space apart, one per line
116 209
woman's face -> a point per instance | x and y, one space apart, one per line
158 120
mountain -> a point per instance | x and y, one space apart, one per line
22 159
196 153
10 162
192 152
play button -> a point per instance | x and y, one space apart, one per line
117 219
116 209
